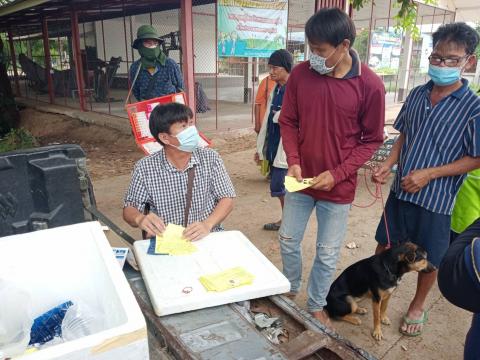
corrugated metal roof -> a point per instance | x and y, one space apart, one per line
6 2
12 6
24 17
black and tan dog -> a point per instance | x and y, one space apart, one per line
377 277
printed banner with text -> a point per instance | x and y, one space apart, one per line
251 28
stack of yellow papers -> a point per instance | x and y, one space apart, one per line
172 242
292 185
227 279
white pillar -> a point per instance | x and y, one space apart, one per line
476 78
307 49
404 69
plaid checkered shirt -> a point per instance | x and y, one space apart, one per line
157 182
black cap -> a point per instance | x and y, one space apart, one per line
281 58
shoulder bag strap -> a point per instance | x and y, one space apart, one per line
133 83
188 203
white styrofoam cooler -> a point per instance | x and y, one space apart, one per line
172 281
71 263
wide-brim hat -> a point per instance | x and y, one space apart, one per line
145 32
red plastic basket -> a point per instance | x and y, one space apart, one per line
139 114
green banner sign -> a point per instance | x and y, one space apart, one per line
251 28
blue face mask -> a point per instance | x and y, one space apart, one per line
188 139
444 76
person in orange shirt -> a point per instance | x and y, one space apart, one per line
264 89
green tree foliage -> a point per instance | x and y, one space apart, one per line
33 48
407 15
361 44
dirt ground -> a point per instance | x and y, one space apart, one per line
111 156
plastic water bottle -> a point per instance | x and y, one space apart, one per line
78 322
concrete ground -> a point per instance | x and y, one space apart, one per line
445 331
222 116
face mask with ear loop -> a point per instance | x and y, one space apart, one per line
444 76
319 63
188 139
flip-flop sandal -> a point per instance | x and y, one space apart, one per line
409 321
271 227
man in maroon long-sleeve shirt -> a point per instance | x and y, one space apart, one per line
331 123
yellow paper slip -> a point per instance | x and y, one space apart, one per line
228 279
292 185
264 167
172 242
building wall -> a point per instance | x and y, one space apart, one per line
164 22
204 39
114 35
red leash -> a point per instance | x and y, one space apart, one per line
378 195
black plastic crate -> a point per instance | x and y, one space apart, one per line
43 188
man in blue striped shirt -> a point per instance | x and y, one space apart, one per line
439 143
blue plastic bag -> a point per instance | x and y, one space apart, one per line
48 325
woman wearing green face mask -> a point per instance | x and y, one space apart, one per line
154 74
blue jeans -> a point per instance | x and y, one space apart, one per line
277 181
332 226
